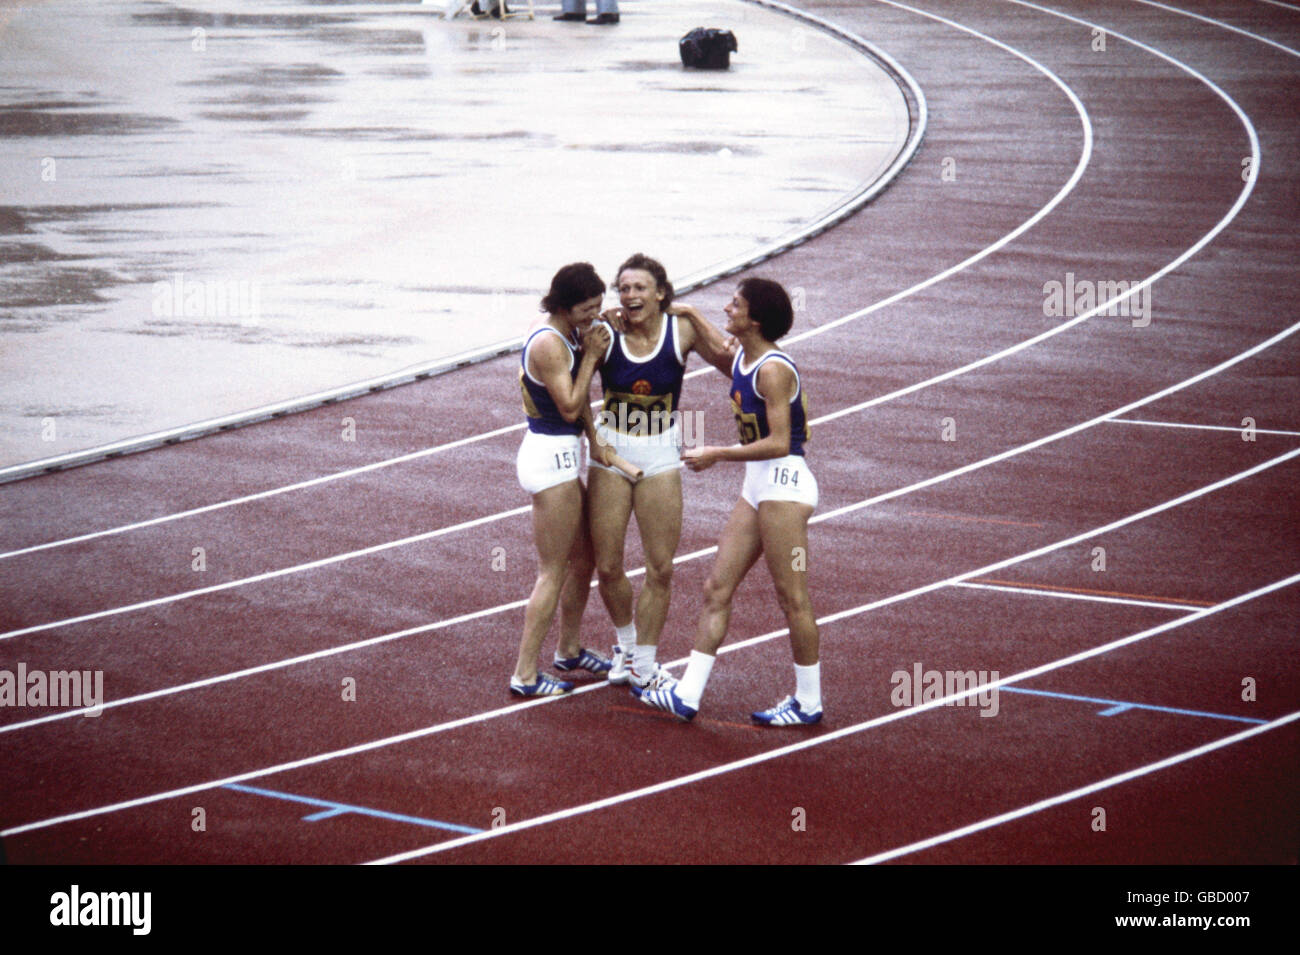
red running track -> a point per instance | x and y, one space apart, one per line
1158 694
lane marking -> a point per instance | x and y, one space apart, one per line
734 647
259 495
1123 706
1177 603
1228 26
268 575
333 808
745 763
1199 427
1033 591
1081 791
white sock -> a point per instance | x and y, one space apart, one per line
691 686
643 660
808 681
626 637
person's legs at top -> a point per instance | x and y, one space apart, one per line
606 12
575 10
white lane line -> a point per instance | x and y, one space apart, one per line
1060 196
780 752
268 575
260 495
1066 595
822 621
1278 3
1228 26
1200 427
1081 791
266 667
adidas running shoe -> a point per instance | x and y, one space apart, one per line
787 713
664 697
585 660
546 685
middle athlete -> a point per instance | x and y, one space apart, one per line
641 376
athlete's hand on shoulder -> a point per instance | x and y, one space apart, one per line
697 459
596 338
616 317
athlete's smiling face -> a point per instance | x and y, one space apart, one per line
737 310
639 294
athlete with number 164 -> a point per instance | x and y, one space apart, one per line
778 496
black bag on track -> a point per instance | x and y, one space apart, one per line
707 49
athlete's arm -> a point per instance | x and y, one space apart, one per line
548 361
703 336
599 450
778 384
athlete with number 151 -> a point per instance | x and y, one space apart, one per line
555 383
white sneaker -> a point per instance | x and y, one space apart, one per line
620 670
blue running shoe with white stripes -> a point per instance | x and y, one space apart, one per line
585 660
546 685
663 696
787 713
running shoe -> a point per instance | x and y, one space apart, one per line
546 685
620 667
585 660
787 713
664 697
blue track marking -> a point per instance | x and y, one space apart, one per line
338 808
1115 707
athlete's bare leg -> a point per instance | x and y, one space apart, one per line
557 521
610 503
657 503
784 529
575 591
738 549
